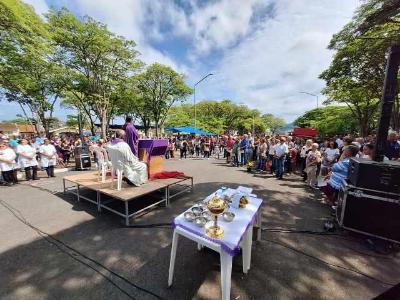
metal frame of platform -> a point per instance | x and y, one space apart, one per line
127 193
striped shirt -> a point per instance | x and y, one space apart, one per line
340 171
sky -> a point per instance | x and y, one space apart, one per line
262 53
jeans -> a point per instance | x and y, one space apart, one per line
243 158
280 166
261 164
272 162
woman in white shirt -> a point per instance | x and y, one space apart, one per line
27 159
48 157
330 156
7 162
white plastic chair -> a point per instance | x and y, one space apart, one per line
117 167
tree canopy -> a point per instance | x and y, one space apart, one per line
223 116
329 120
355 76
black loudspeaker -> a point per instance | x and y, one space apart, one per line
374 213
81 150
381 176
82 162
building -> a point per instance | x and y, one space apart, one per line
21 130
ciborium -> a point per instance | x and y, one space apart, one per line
216 206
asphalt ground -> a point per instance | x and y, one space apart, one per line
283 266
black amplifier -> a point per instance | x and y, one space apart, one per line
381 176
81 150
82 162
370 212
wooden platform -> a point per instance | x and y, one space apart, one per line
92 181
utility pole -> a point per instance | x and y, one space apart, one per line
311 94
194 97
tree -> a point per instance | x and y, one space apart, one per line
100 61
272 122
355 76
30 73
329 120
219 117
160 87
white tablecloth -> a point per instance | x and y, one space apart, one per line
233 231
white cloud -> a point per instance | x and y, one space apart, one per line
268 50
285 56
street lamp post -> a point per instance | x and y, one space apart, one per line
194 97
311 94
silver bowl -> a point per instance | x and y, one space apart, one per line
206 215
197 210
189 216
200 221
228 216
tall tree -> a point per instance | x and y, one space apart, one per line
355 76
329 120
100 60
30 73
160 87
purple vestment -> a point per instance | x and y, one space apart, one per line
131 137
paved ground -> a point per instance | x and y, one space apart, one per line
31 268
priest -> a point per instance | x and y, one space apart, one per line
131 135
120 153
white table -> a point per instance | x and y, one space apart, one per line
239 234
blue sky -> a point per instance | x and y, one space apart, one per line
262 52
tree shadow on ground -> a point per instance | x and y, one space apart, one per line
41 271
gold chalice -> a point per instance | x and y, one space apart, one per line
216 206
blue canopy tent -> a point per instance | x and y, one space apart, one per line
188 130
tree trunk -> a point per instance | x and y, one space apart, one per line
103 123
364 127
156 125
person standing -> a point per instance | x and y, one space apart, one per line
48 157
131 135
281 150
303 155
7 162
183 149
312 160
392 149
271 154
27 160
206 149
244 145
262 154
228 149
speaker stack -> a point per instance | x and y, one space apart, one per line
82 158
370 201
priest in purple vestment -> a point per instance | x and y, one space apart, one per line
131 135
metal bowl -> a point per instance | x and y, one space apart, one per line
189 216
197 210
206 215
228 216
200 221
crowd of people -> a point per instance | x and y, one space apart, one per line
276 155
39 153
325 160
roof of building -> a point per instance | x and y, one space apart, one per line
8 127
26 128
